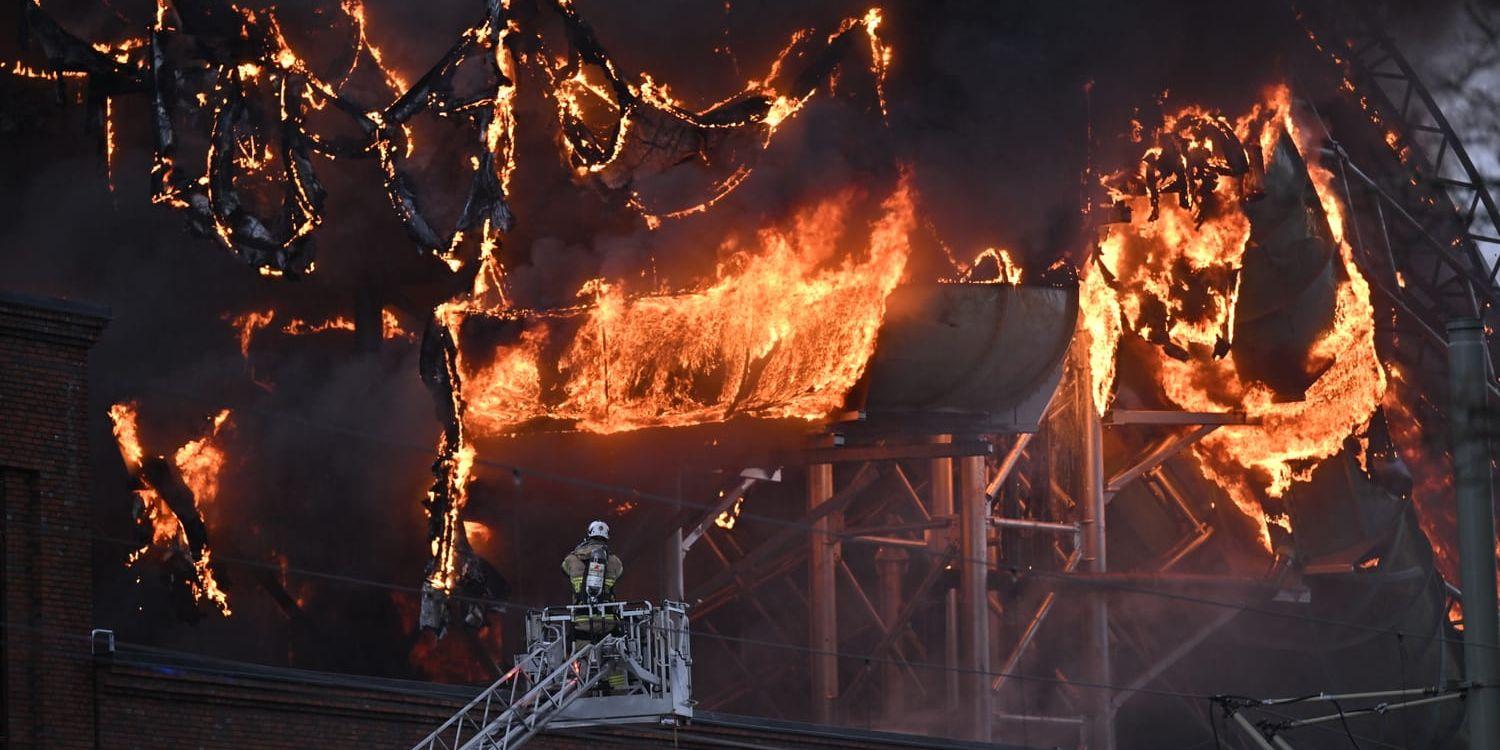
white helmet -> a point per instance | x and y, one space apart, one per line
598 529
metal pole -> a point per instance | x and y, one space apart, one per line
974 594
891 563
1254 734
823 551
1102 735
673 564
1474 493
938 541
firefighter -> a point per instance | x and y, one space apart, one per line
591 569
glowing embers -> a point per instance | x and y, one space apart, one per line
619 132
170 496
784 330
1181 280
247 325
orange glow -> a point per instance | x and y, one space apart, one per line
791 307
21 70
585 92
248 324
1431 472
1169 263
477 533
730 517
109 142
199 463
1099 320
1007 270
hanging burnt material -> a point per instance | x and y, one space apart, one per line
642 131
180 559
1191 153
1289 281
232 68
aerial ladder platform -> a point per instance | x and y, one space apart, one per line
584 665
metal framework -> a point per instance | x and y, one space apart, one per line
1423 227
1424 222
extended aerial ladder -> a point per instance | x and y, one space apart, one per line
639 651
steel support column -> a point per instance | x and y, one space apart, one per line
1101 714
1474 493
973 595
939 540
891 563
822 588
672 567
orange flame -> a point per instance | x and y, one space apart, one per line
1290 438
199 463
806 319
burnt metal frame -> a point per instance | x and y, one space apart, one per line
1435 267
1439 223
747 582
1377 61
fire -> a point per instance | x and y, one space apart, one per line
1176 283
1099 318
199 463
22 70
248 324
791 308
637 111
1431 470
1007 270
730 517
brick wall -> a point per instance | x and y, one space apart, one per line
45 569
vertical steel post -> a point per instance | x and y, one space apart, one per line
1468 374
823 594
974 595
891 562
1101 725
672 567
938 541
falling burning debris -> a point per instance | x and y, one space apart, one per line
1177 280
170 497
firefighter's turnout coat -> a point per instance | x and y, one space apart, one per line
576 567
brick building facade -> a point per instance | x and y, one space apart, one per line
47 601
63 687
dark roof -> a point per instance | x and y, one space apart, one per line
708 728
54 304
